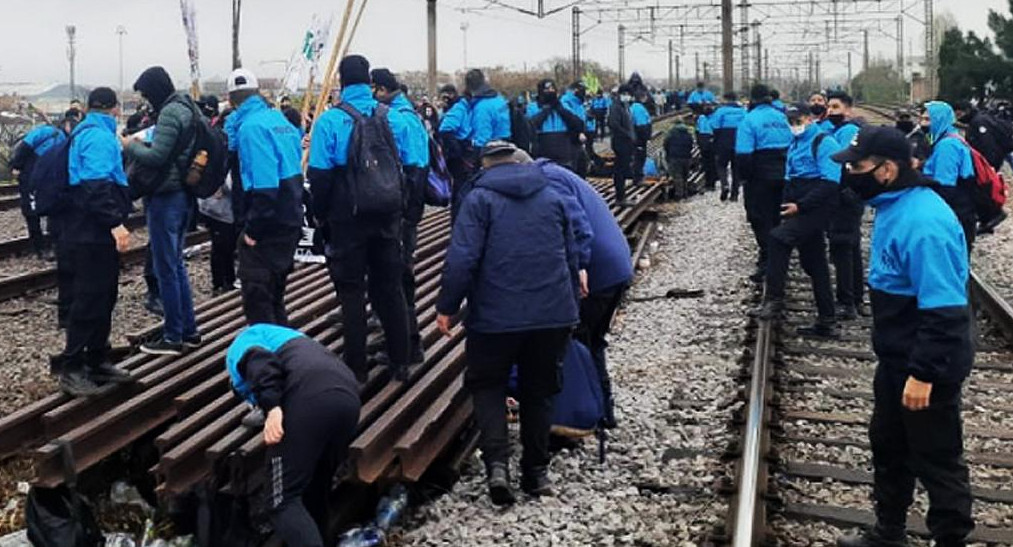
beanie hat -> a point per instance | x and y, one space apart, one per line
353 69
102 98
385 79
155 85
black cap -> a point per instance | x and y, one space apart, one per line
797 110
102 98
353 69
885 142
496 148
385 79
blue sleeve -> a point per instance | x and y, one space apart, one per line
259 168
745 142
481 124
100 157
402 136
532 110
717 120
946 167
453 120
322 145
574 106
829 169
467 245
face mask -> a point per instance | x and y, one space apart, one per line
836 119
864 185
547 96
625 98
797 130
818 110
906 127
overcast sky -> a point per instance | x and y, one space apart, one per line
392 33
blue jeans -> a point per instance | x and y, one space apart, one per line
168 218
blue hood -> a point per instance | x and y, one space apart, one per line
513 179
360 97
941 119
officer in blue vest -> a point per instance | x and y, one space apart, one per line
599 108
845 232
642 129
950 163
818 106
761 147
810 197
558 121
311 403
921 333
455 127
725 122
705 142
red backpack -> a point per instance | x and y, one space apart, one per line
989 187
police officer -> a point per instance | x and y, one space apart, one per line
761 147
642 129
950 163
94 235
558 123
810 196
725 122
489 112
921 334
414 153
705 142
270 155
455 127
311 403
700 96
818 107
360 242
845 233
599 108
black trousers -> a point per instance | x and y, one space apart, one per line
639 159
709 166
64 273
763 211
318 431
927 445
409 241
725 169
263 271
601 128
96 275
622 170
596 311
32 220
223 253
489 357
370 245
805 233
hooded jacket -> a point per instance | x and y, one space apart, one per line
620 124
34 145
413 148
918 270
678 143
99 197
174 132
813 177
950 161
490 117
329 152
270 160
761 143
512 254
455 127
990 136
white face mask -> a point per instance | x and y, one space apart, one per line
797 130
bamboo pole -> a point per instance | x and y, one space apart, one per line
355 26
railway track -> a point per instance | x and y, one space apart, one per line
22 246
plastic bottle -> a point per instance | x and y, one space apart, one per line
391 507
200 161
362 537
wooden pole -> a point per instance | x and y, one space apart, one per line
327 83
355 26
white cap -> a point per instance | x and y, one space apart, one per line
242 79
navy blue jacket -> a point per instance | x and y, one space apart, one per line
270 366
761 143
270 160
99 198
607 255
512 254
918 270
35 144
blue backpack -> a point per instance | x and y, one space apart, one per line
580 405
51 179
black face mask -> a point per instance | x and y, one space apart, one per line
818 110
836 119
906 126
864 185
547 97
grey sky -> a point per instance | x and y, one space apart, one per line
392 33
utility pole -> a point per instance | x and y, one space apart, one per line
576 43
705 75
622 53
71 54
766 64
744 29
900 46
431 66
727 55
759 51
930 49
237 8
696 74
819 79
464 32
865 51
120 32
849 73
809 79
670 80
678 73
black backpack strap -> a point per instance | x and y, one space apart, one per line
816 146
351 111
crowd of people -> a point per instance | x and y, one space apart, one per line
536 259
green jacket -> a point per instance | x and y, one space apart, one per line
175 121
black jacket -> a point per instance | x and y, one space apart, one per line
301 368
991 137
621 126
678 144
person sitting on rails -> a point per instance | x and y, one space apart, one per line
845 232
168 206
921 334
512 255
761 146
558 122
311 402
270 199
949 164
413 148
623 141
725 122
810 196
94 235
360 242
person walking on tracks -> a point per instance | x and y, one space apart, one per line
512 255
623 141
724 123
98 204
311 402
357 185
922 337
270 201
810 196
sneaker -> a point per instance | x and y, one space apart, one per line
499 485
154 305
871 538
769 310
162 347
724 196
77 384
536 482
193 341
819 330
399 374
105 373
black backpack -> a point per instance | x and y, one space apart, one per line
51 179
374 167
212 141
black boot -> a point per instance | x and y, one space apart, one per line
758 275
499 484
771 309
846 313
102 371
535 482
74 380
872 538
724 195
820 329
